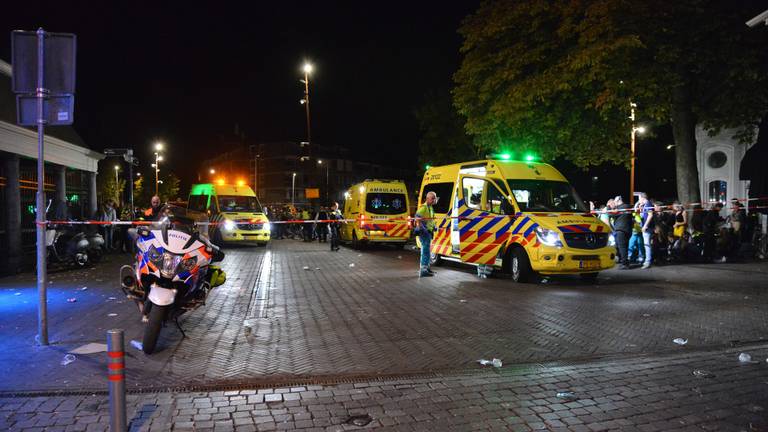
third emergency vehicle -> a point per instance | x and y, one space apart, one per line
380 211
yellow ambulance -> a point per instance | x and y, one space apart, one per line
380 211
522 217
234 211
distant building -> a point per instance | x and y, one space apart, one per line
70 176
331 170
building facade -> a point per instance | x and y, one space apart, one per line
70 176
280 176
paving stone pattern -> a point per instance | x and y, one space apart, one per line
645 394
275 321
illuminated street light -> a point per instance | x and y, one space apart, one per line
307 68
212 171
117 182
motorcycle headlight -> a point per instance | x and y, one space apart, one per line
548 237
611 240
229 225
154 255
170 264
188 264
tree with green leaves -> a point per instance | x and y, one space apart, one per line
557 77
443 137
169 188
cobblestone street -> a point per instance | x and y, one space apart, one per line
295 315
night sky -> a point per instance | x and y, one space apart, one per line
187 74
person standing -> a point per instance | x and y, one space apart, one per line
622 229
321 226
425 226
110 215
648 224
335 214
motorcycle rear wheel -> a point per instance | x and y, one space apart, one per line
152 329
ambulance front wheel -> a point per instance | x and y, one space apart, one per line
520 266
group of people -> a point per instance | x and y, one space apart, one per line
313 226
651 232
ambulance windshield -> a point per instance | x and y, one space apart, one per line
546 196
385 203
239 203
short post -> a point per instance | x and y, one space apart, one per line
116 375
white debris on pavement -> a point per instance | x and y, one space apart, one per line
90 348
138 345
680 341
69 358
112 315
745 358
352 265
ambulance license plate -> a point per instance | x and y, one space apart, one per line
589 265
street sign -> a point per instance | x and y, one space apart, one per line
311 193
58 62
57 110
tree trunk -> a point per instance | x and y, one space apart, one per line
684 133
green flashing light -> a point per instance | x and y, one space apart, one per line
505 156
427 166
530 158
202 189
31 209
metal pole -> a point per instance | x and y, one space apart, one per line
157 170
293 190
256 174
42 270
130 187
116 376
306 99
327 191
632 161
117 185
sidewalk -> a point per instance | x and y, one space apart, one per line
637 393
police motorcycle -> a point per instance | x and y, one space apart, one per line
172 273
68 245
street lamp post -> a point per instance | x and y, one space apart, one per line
327 167
117 183
307 70
158 158
635 131
293 189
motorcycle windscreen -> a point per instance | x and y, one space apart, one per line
484 220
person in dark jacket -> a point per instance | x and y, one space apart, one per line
622 229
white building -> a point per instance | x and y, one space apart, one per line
719 160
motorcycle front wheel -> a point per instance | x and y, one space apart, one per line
152 329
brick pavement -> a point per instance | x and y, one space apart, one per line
276 322
636 393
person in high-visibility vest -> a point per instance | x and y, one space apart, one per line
425 222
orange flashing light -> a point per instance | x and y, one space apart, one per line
220 181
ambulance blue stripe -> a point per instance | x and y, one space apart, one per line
495 221
473 222
531 228
520 225
503 229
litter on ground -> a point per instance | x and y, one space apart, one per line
90 348
69 358
495 362
138 345
680 341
